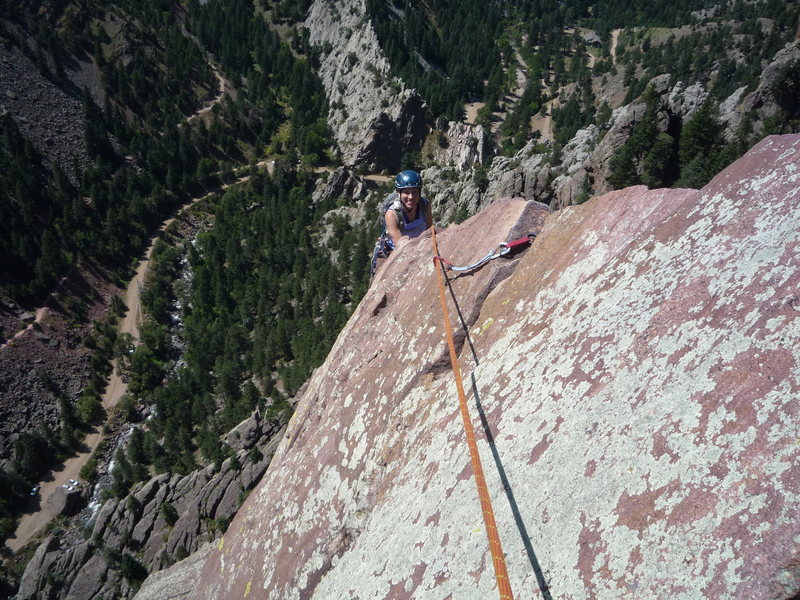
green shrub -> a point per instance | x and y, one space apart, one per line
169 513
89 470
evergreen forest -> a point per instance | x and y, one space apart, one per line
476 53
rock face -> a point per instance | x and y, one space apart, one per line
638 369
374 118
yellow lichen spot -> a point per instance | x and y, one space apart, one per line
247 589
221 543
486 325
292 418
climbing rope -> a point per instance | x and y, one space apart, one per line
502 249
498 559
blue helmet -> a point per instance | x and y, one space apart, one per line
408 179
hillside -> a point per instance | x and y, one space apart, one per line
287 118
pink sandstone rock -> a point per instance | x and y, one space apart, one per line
638 368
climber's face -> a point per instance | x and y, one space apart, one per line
409 197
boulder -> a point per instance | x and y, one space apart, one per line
64 502
245 434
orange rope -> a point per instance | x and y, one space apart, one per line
498 559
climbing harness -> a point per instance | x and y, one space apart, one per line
381 250
498 559
503 249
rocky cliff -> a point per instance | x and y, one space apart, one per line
374 118
636 373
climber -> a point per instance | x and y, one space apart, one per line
404 213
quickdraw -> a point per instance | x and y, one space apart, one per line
502 249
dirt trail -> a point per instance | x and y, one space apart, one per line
223 87
471 110
614 39
41 313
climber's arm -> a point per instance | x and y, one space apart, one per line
392 227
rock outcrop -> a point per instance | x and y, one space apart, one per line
461 146
341 183
374 117
583 166
636 372
777 90
162 521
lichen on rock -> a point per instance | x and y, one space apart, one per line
637 368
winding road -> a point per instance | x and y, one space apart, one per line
31 523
